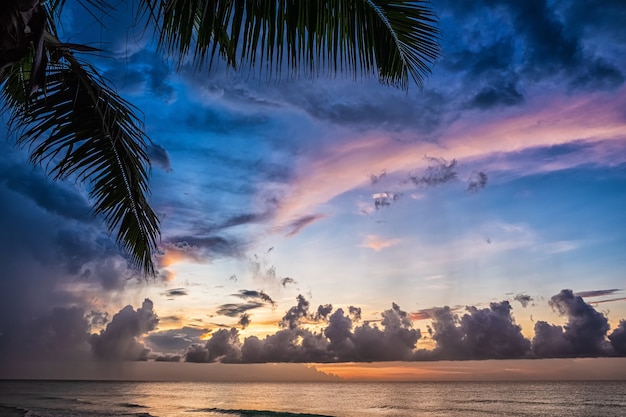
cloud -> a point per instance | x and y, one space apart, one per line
244 320
378 243
496 96
174 340
385 199
119 340
234 310
323 311
176 292
60 334
476 181
158 156
583 335
223 346
596 293
287 280
439 171
618 339
297 225
293 316
523 299
255 295
488 333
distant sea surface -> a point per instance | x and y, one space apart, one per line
339 399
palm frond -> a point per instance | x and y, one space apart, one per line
83 128
391 39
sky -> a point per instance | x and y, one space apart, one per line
334 228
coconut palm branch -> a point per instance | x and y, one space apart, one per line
391 39
76 125
82 128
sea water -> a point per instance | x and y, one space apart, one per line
337 399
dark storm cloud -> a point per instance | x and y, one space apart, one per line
158 156
175 340
58 198
234 310
598 75
596 293
119 340
543 40
496 96
255 295
176 292
394 110
60 334
523 299
143 73
583 335
51 244
222 120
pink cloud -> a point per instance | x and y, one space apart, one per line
378 243
346 163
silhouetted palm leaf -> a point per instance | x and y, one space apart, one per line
392 39
81 127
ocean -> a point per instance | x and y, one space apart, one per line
337 399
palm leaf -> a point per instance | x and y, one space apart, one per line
82 128
394 40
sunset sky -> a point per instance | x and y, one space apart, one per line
345 222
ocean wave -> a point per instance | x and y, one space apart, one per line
257 413
131 405
9 411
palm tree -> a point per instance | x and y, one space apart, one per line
77 125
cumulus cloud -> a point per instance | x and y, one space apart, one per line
618 339
489 333
583 335
472 334
119 340
296 314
